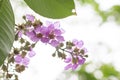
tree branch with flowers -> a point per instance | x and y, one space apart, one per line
14 60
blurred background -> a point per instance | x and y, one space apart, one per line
97 23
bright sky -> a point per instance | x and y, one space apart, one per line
85 26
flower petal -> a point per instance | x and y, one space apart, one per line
31 53
30 17
60 38
25 61
18 58
54 43
68 66
74 66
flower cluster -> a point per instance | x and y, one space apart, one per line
77 51
47 34
22 59
72 52
32 31
51 33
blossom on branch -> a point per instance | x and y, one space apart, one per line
22 61
51 34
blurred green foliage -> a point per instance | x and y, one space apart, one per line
113 12
95 6
105 72
109 70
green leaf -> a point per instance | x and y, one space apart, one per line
52 8
115 12
6 29
109 70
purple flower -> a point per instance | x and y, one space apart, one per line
30 17
68 66
72 65
85 50
20 33
38 29
81 60
77 43
54 43
22 61
25 61
51 34
31 53
54 33
60 38
32 35
55 24
78 47
41 33
18 58
67 60
77 53
58 32
45 40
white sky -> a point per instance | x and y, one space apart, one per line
85 26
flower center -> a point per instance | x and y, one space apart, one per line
39 35
51 36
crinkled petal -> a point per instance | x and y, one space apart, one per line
81 60
51 27
67 60
57 32
57 24
30 17
54 43
34 39
68 66
31 53
18 58
25 61
20 34
75 41
30 34
43 30
85 50
80 44
38 29
60 38
74 66
45 40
